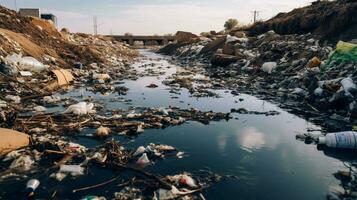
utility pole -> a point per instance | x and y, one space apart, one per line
95 25
15 5
255 15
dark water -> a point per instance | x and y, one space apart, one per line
261 150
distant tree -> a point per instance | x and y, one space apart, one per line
205 34
128 34
230 24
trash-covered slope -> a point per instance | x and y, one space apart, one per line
333 20
305 75
40 39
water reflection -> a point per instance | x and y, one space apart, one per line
222 142
347 175
250 139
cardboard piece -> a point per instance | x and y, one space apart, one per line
11 140
64 77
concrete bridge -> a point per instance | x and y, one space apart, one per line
147 40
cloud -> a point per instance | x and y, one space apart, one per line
169 17
150 19
76 22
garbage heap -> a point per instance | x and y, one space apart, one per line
305 74
332 20
36 59
39 39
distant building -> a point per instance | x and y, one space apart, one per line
50 17
33 12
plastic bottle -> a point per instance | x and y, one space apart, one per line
31 186
346 140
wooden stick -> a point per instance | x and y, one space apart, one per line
164 184
313 108
95 186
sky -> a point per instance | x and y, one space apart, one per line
147 17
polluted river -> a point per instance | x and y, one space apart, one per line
256 153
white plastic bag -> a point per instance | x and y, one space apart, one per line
81 108
348 85
143 160
268 67
73 169
31 64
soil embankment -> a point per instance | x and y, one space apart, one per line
332 20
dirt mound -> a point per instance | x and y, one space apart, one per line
28 47
332 20
40 39
46 26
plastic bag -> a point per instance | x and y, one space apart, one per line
143 160
31 64
73 169
81 108
23 162
348 85
268 67
345 52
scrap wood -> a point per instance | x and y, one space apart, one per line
96 186
77 124
162 183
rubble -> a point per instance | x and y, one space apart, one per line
327 19
272 66
58 91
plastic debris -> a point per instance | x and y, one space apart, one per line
164 194
269 67
31 186
345 52
180 154
31 64
140 150
81 108
23 162
25 73
340 140
183 179
231 39
90 197
15 99
143 160
348 85
101 78
51 99
74 170
102 131
39 109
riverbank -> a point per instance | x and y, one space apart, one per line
90 118
256 133
295 71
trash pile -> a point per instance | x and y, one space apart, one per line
38 66
39 39
328 19
63 159
43 141
305 75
